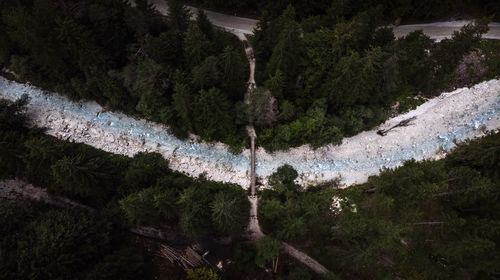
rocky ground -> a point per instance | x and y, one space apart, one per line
89 123
439 124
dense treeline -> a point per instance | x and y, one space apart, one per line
424 220
322 75
330 80
67 244
37 242
185 73
139 191
392 9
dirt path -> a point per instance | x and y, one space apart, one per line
253 229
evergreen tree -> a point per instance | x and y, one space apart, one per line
150 206
83 176
204 24
206 75
60 244
178 15
234 73
195 218
268 249
182 101
144 171
196 46
40 153
287 53
229 212
212 114
12 114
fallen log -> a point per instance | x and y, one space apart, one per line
383 132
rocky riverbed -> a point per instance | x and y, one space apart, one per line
439 124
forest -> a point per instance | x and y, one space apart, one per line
424 220
187 74
334 80
419 221
320 77
325 70
126 192
405 10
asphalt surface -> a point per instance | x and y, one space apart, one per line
436 30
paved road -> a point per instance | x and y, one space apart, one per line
436 30
239 24
441 30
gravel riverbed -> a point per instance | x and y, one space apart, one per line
440 123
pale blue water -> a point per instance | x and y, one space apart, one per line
118 123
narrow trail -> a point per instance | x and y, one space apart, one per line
254 231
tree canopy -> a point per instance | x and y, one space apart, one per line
441 215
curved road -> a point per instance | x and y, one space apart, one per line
436 30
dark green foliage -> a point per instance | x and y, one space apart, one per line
39 154
449 52
287 53
212 207
197 45
41 243
201 273
144 171
491 49
339 78
483 156
284 179
84 175
182 100
268 248
195 218
124 264
166 49
300 273
12 114
289 212
150 206
204 24
124 191
438 215
14 215
178 15
214 115
234 71
59 244
124 57
206 75
11 150
345 9
230 211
